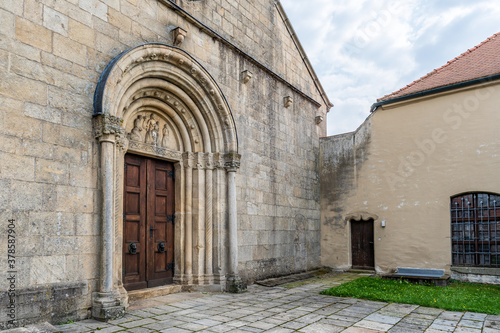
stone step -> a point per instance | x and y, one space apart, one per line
140 294
361 271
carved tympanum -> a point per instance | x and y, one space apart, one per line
150 130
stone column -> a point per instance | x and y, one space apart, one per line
199 219
219 223
208 219
188 228
107 303
234 282
179 222
107 182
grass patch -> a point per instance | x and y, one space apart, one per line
457 296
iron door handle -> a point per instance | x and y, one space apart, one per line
132 248
161 247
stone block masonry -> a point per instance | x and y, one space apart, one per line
52 54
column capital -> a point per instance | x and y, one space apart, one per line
200 161
188 159
178 166
107 126
209 161
232 161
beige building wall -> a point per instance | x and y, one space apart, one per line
402 166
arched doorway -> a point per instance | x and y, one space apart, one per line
362 242
157 103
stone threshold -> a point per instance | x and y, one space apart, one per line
136 295
362 271
141 294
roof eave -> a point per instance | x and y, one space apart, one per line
303 54
436 90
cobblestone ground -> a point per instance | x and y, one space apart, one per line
278 309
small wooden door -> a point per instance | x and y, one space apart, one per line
148 231
362 244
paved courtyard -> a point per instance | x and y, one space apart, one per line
278 309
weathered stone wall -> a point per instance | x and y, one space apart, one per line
278 194
258 29
52 54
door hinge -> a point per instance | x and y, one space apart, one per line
171 218
125 167
171 267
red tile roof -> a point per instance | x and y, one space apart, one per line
478 62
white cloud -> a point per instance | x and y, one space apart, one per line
365 49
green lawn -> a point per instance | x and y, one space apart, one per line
456 296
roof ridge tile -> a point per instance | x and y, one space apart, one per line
488 63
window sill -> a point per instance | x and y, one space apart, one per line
476 270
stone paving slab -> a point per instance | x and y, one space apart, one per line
283 310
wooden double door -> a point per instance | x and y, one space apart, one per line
148 217
363 254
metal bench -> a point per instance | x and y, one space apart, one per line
421 275
424 272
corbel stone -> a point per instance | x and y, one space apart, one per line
319 119
179 35
288 101
246 75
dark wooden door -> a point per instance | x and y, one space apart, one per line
148 242
362 244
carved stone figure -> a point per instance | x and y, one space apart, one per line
156 133
164 139
136 131
149 125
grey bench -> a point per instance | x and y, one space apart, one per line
421 275
424 272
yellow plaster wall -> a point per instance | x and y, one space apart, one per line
403 165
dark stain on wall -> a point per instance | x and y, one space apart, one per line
341 159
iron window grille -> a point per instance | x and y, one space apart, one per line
475 230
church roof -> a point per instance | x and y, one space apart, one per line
479 62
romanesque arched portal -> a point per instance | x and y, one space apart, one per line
155 100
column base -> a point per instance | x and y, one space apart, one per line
209 279
107 306
235 285
198 279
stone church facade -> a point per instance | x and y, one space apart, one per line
152 143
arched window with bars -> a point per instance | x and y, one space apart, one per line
475 230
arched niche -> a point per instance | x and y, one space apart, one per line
158 101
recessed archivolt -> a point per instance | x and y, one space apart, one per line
169 80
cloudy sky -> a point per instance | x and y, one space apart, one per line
365 49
